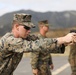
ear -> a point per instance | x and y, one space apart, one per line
17 26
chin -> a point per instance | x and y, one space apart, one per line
24 37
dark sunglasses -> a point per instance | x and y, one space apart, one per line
27 28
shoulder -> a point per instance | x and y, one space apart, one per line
39 35
5 36
9 38
32 37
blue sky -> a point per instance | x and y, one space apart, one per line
36 5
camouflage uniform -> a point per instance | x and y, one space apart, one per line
41 60
72 58
12 49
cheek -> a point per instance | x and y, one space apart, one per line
46 29
21 31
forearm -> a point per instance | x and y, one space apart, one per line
20 45
34 60
61 40
33 46
69 38
39 44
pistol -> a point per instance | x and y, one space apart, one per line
73 30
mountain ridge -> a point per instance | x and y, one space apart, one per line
56 20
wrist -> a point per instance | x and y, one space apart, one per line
60 40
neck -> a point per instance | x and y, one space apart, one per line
15 34
42 33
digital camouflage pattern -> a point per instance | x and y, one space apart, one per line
12 49
24 19
72 58
41 61
32 37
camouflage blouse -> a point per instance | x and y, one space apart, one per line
12 49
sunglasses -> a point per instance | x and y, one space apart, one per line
26 27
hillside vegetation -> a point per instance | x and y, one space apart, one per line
58 32
56 20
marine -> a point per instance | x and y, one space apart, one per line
41 62
72 55
13 44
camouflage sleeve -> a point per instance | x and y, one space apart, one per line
39 44
34 59
62 48
57 49
72 55
50 60
20 45
32 37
